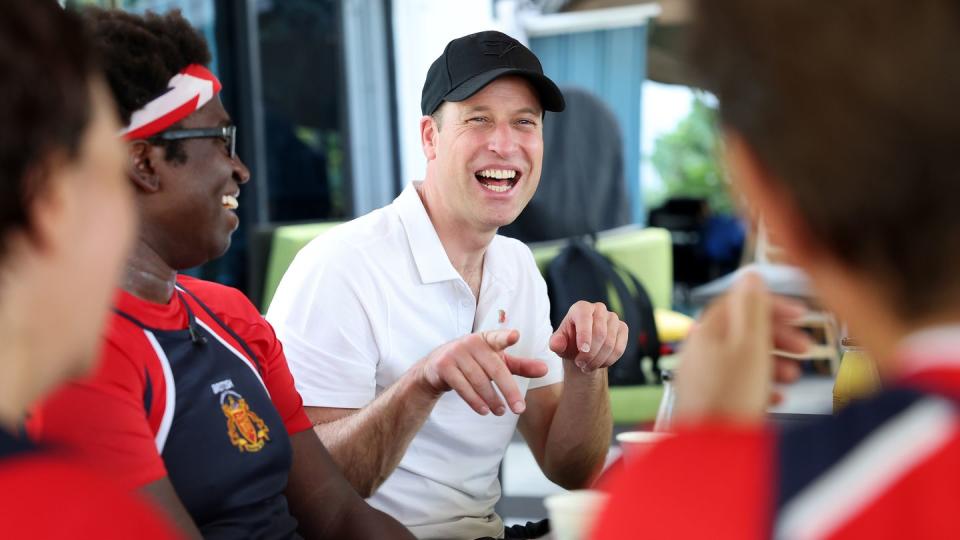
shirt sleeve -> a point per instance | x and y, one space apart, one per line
320 313
280 383
544 330
104 419
714 482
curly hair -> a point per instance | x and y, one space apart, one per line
47 63
140 55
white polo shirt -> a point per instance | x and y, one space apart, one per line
364 302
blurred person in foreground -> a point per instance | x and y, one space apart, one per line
66 223
193 403
398 324
842 130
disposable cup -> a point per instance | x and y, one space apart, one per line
573 513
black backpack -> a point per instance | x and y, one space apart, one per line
579 272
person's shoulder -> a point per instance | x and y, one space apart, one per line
211 291
374 233
124 345
868 460
812 450
76 502
518 253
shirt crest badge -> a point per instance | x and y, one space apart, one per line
247 431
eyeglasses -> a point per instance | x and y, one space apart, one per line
227 133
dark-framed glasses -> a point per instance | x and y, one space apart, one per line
227 133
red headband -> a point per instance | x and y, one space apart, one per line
186 92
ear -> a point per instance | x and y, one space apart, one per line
768 202
428 137
141 166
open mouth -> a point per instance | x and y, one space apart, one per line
498 180
230 201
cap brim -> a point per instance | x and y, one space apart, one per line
551 98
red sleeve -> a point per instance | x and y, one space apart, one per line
104 420
715 482
44 497
279 382
246 321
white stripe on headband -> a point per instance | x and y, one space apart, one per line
186 92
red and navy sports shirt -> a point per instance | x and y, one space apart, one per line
47 495
112 417
887 467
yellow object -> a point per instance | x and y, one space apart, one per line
671 325
857 378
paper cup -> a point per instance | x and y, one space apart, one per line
635 443
572 513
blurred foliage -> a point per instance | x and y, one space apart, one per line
688 161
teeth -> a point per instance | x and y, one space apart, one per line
498 189
498 174
229 202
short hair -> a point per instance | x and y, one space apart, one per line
851 105
140 56
47 63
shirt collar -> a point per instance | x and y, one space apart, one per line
431 259
428 253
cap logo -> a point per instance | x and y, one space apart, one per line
498 48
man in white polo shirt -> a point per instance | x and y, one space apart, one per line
382 317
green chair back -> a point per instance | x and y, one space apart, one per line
288 240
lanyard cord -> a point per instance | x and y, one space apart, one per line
195 335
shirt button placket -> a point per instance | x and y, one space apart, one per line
465 320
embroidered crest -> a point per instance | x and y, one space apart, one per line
502 319
246 430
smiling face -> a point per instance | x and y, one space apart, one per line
485 155
190 219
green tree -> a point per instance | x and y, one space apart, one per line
687 160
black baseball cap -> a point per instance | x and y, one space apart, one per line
471 62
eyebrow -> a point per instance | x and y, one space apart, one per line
484 108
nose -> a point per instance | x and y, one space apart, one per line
240 171
502 140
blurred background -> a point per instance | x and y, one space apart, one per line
326 93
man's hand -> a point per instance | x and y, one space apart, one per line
726 366
590 336
468 366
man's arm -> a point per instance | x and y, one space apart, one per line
568 426
368 443
325 504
